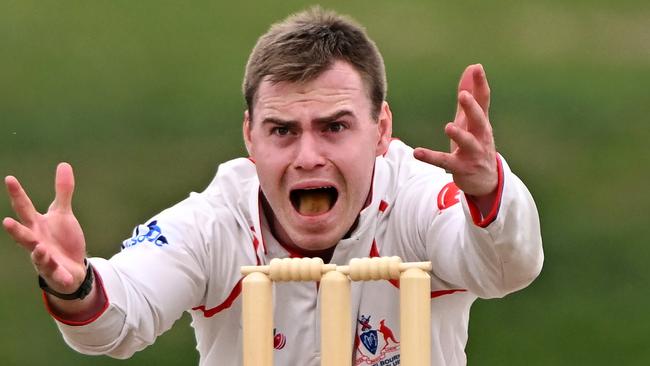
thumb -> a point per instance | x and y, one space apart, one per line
61 274
64 187
47 267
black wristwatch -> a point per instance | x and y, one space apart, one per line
82 291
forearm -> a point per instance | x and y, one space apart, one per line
146 289
494 255
98 325
516 238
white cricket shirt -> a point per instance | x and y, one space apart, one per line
187 258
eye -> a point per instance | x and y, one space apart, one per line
280 131
335 127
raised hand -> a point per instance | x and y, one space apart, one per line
472 156
54 239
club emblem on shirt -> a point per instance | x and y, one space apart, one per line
369 340
376 345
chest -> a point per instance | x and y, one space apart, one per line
374 312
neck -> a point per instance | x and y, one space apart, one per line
285 241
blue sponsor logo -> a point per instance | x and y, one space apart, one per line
150 233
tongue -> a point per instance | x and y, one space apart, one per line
314 202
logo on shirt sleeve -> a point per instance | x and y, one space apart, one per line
151 233
448 196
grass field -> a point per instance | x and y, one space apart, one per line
143 98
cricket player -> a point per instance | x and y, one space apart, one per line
324 178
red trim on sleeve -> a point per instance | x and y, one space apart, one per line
477 217
95 313
251 159
224 305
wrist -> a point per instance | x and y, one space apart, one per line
82 291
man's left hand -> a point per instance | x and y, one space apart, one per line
472 156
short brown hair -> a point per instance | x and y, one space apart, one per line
304 45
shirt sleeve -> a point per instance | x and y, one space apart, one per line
490 256
159 274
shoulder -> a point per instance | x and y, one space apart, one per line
234 176
401 170
398 151
216 214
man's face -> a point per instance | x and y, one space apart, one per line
314 145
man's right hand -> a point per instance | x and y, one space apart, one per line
54 239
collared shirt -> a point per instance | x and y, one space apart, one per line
188 258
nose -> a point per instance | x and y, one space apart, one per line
309 154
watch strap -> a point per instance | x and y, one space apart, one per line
83 290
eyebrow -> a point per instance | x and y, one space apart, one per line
334 116
279 121
320 120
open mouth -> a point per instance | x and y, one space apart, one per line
314 201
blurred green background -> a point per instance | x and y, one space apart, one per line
143 98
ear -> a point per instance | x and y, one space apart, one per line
246 129
384 129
